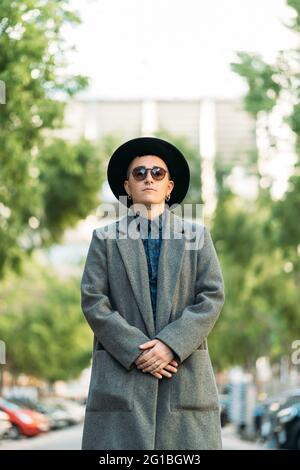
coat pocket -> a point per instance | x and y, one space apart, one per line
193 387
111 386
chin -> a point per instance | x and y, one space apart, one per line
148 200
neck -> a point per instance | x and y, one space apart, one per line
150 211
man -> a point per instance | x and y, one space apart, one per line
151 303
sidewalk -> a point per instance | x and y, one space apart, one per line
232 442
70 438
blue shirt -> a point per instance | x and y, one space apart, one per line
152 240
152 243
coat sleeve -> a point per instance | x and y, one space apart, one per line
186 334
118 337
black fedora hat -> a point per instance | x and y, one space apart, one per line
171 155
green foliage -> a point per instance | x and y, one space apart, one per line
261 312
295 23
46 334
71 176
258 241
45 186
194 161
261 78
286 212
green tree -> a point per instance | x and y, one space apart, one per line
33 209
194 194
70 180
45 332
258 240
260 315
268 85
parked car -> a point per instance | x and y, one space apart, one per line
74 411
24 421
287 427
5 424
57 417
275 405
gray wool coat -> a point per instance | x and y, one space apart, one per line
129 409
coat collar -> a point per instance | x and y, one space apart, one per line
134 257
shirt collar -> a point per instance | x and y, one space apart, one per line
152 224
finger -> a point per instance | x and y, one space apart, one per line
156 374
148 344
171 368
155 367
165 373
145 358
174 363
148 363
161 367
152 368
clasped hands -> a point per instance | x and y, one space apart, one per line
157 359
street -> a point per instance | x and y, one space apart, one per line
70 439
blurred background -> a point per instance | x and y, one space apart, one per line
220 79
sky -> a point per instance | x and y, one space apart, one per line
172 48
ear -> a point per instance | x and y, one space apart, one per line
171 184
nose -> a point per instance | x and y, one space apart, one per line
148 177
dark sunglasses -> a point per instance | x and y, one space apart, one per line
140 172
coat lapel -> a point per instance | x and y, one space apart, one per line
134 258
169 267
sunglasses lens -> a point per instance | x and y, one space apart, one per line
158 173
139 173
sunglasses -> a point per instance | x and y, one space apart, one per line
140 172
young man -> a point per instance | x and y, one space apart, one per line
151 302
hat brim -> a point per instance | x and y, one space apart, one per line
174 159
